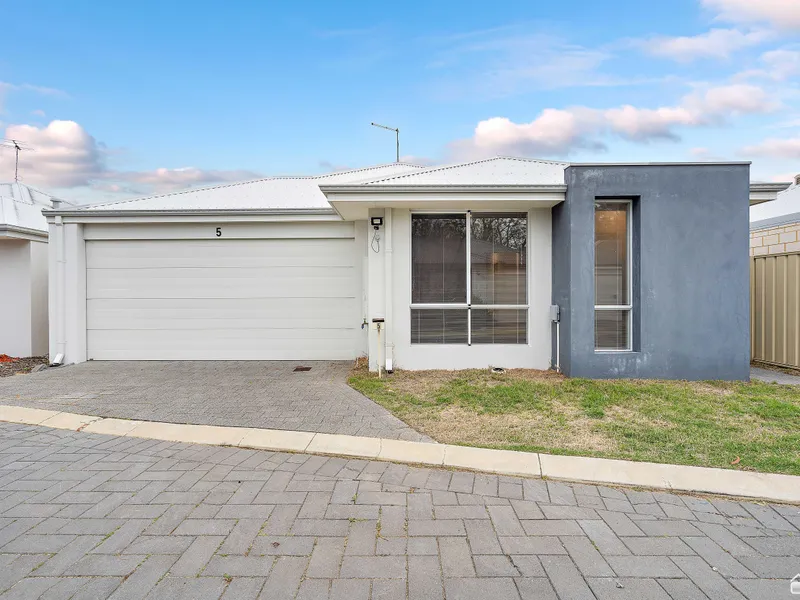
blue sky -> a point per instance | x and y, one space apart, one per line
137 98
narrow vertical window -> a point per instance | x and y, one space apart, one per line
612 275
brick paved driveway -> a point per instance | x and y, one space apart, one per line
91 516
240 394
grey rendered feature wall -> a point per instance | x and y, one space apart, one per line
690 271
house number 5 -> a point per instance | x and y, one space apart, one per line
219 231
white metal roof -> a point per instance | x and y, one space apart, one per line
499 171
787 203
21 207
268 193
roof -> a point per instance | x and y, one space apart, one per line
778 212
21 207
269 193
497 171
790 219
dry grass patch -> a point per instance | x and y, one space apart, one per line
695 423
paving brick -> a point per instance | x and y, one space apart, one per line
420 506
497 565
455 557
718 558
422 546
505 521
313 589
188 588
557 527
668 528
168 521
603 538
565 578
139 584
349 589
282 545
285 577
253 511
644 566
436 528
650 546
586 557
710 582
373 567
281 520
627 589
682 589
532 545
100 564
535 588
620 524
559 494
326 558
68 555
535 490
362 538
393 521
122 537
159 544
498 588
239 566
425 578
205 527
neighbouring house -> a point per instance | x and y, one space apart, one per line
422 268
775 279
23 270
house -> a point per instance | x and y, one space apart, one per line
422 268
23 270
775 227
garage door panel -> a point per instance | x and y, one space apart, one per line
223 299
227 345
220 253
188 313
220 283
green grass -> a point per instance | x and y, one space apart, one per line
692 423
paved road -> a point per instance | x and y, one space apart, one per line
265 394
91 516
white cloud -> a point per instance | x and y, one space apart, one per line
774 148
38 113
716 43
164 179
64 155
782 64
560 131
783 14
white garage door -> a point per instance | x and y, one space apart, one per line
236 299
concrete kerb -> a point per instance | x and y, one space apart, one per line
766 486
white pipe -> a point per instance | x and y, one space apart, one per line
380 351
558 346
388 313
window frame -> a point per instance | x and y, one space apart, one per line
628 308
468 305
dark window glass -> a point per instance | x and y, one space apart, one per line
611 329
499 326
497 251
438 259
438 326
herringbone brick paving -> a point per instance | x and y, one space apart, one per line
263 394
93 516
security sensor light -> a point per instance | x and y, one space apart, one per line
376 222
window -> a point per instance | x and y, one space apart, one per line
612 275
469 278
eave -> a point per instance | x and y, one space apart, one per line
353 202
22 233
766 192
191 215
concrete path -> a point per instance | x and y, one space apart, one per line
771 376
239 394
86 515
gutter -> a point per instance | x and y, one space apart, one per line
215 212
23 231
455 189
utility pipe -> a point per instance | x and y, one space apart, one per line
388 287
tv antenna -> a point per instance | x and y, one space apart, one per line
18 147
396 134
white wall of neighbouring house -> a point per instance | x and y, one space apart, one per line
23 300
393 302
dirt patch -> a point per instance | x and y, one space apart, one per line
17 366
771 367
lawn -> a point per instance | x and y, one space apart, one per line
747 426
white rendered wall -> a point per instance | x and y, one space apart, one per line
38 298
533 355
15 297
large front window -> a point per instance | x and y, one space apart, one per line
612 275
469 282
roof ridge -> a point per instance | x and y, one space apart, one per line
236 183
432 170
371 168
539 160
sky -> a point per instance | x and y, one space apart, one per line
120 99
